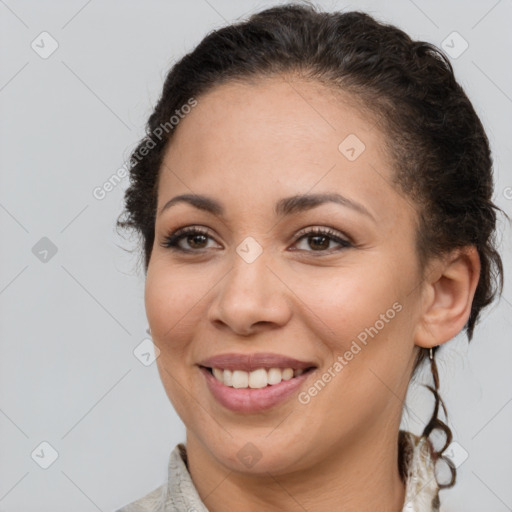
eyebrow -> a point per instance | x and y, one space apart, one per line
283 207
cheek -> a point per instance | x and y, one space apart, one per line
173 305
172 301
358 317
346 302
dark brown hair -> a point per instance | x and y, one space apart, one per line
436 141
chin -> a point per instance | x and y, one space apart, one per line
258 456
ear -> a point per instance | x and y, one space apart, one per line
448 293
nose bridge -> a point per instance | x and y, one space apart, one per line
250 265
249 275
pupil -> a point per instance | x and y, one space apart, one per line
193 238
320 237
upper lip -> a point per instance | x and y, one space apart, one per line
250 362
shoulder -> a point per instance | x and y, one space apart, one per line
417 466
178 494
151 502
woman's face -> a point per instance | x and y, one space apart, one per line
258 279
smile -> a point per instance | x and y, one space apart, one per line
253 382
255 392
256 379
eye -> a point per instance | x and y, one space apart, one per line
195 236
319 239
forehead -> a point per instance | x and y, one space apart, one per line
277 113
275 137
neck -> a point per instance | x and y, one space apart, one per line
362 476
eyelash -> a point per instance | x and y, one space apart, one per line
172 240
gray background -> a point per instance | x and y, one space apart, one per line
70 321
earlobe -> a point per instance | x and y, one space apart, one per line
448 296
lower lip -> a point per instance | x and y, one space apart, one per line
253 400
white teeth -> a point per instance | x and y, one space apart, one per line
240 379
287 373
274 376
219 374
259 378
228 377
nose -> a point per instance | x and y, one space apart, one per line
251 297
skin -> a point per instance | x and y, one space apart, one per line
247 146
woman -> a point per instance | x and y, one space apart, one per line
314 200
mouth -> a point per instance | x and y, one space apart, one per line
251 383
256 379
255 391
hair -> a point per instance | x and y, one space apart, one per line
436 141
